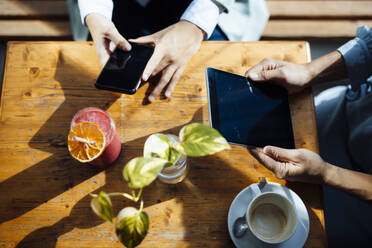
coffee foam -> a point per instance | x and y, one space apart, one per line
269 221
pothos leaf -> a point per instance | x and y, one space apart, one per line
201 140
156 145
141 171
131 226
162 146
102 206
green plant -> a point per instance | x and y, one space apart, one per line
132 224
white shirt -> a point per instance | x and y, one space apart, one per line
202 13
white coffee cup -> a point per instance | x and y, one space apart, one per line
271 217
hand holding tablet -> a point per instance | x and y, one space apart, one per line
248 113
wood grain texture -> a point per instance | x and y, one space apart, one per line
44 193
316 18
313 28
319 9
32 19
33 9
31 28
289 18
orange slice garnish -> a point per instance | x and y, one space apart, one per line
86 142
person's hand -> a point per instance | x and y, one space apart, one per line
105 36
294 77
292 164
174 47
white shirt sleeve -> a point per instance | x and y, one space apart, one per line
202 13
357 54
103 7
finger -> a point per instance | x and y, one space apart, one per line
118 39
160 67
280 154
102 51
148 39
106 44
275 75
259 67
176 76
103 57
164 80
152 63
264 159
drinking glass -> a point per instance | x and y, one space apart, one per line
178 170
107 124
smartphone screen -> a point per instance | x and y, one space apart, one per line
248 113
123 71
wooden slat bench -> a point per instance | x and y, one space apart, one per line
316 18
293 19
34 19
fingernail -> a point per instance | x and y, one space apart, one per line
167 94
128 46
254 76
267 150
145 77
151 98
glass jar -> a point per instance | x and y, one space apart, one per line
178 170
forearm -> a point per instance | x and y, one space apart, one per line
352 182
328 68
96 23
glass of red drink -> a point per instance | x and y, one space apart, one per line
107 124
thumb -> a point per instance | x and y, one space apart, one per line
144 39
266 75
264 159
280 154
119 40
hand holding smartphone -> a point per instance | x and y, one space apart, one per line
123 71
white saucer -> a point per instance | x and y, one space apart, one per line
238 209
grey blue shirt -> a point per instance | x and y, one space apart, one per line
344 113
357 54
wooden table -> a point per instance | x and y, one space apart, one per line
44 192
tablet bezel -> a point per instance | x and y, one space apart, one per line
212 121
212 98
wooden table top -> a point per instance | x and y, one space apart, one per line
44 192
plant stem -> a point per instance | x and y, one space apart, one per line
132 197
128 196
115 194
177 146
141 206
136 197
139 194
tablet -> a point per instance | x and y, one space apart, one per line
248 113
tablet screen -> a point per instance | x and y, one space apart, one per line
248 113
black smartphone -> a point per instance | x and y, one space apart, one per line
123 71
248 113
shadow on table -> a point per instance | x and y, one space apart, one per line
58 173
304 191
81 215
